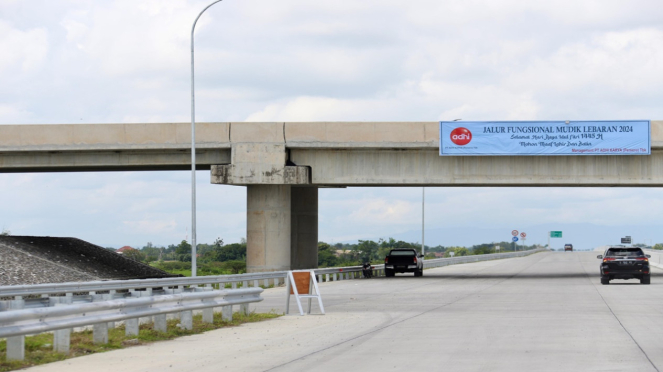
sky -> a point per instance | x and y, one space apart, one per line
84 61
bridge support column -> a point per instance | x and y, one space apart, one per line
304 228
281 227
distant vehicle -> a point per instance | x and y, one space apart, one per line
568 247
625 263
403 260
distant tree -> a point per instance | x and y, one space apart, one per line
367 250
5 232
183 257
183 248
111 249
658 246
326 256
151 252
134 254
235 266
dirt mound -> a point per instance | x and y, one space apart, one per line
40 259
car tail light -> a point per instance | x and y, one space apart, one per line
415 259
608 259
641 259
386 260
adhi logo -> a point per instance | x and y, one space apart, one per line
461 136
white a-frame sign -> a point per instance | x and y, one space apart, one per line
305 286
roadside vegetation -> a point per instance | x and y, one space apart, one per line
225 259
39 348
370 251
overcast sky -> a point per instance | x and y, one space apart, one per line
127 61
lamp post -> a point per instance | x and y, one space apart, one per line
423 198
193 151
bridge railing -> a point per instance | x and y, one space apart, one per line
16 324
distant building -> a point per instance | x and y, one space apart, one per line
340 252
124 249
439 254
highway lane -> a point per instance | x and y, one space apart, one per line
545 312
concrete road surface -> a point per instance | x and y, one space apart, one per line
545 312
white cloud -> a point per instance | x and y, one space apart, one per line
24 51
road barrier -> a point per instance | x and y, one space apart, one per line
48 295
16 324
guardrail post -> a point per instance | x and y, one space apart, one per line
186 319
227 313
62 337
256 284
244 309
17 303
131 327
160 323
16 344
208 313
15 348
109 297
100 333
266 283
61 340
233 285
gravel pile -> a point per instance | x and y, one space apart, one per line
38 259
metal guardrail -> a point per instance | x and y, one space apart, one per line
54 293
14 325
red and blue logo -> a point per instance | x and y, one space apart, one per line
461 136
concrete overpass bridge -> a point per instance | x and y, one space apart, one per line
283 165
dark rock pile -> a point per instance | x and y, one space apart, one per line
39 259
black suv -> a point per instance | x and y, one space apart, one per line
624 263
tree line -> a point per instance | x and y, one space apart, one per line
219 258
341 254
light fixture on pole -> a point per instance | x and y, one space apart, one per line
193 151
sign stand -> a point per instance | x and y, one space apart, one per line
305 286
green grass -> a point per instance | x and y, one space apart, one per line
39 348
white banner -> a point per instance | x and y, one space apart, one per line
507 138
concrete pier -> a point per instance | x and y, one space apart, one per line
281 227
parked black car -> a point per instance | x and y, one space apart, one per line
404 260
625 263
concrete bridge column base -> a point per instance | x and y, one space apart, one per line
281 228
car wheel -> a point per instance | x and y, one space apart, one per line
646 279
421 272
388 272
605 279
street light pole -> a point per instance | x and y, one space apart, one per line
423 198
193 152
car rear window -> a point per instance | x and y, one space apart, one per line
623 252
401 253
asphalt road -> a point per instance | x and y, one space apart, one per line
545 312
